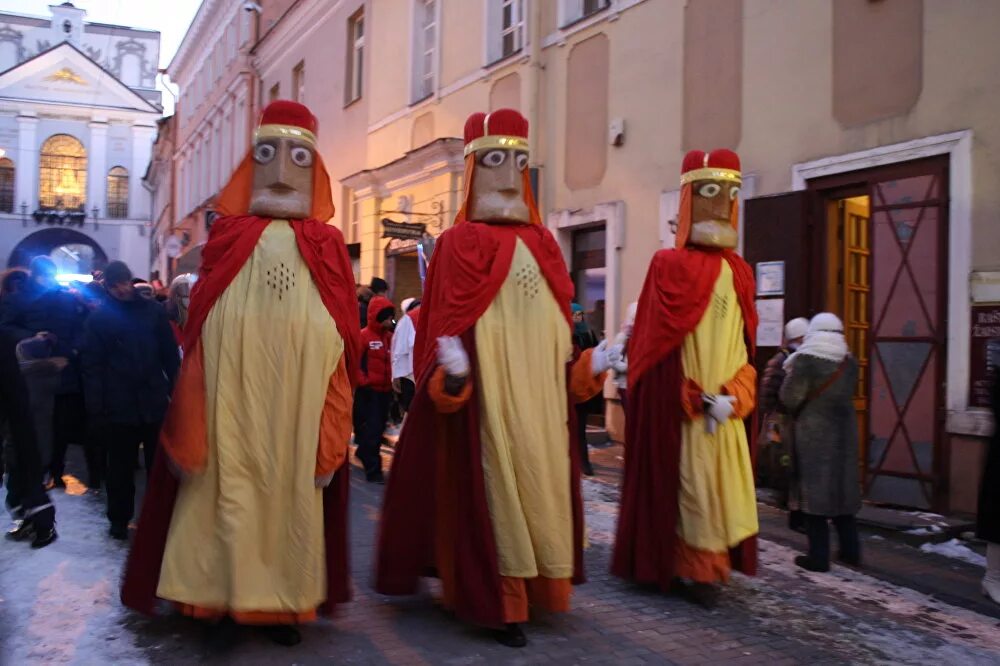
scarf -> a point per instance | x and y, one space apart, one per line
828 345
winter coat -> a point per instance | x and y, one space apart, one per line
825 436
57 311
988 518
376 349
130 361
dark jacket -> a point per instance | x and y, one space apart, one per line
130 361
376 349
825 436
988 516
770 384
57 311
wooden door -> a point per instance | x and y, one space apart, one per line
856 285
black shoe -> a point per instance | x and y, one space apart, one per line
118 531
284 634
588 469
850 561
44 538
705 595
805 562
511 636
22 531
377 477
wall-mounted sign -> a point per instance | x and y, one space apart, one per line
771 321
771 278
403 230
985 350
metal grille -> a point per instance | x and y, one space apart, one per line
62 173
118 193
6 186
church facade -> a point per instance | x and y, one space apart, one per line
78 112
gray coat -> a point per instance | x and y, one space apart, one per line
825 437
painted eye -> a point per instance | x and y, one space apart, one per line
733 193
302 157
493 158
264 153
709 190
521 159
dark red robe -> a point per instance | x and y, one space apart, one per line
471 262
232 241
677 291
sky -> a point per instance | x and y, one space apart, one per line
171 18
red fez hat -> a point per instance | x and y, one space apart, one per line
720 164
504 128
284 118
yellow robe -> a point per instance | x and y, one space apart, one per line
247 533
718 505
523 345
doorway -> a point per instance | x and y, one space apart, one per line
590 276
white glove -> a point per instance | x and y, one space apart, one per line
451 355
599 361
324 481
616 357
718 409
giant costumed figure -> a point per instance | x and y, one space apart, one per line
248 520
688 509
484 490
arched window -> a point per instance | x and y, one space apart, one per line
62 173
6 186
118 193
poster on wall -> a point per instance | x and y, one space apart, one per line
771 318
985 350
771 278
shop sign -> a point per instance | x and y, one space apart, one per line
403 230
985 350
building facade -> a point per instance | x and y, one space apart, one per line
78 111
159 179
215 114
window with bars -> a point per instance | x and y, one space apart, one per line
355 57
511 27
299 82
6 185
62 173
425 48
117 196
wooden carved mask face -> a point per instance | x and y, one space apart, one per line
282 178
711 203
497 193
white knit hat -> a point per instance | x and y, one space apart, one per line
405 306
796 328
826 322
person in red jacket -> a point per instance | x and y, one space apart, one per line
374 394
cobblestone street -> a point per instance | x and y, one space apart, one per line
60 605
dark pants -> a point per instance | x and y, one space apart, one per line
582 412
123 446
819 538
68 427
372 412
407 389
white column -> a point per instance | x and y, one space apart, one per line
26 163
97 168
142 149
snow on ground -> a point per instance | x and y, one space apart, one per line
955 549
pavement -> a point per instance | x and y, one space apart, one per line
60 605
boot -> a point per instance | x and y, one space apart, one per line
705 595
805 562
21 531
511 636
284 634
991 581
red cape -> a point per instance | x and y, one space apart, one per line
470 263
232 241
674 298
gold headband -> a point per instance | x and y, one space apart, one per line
497 141
284 132
711 173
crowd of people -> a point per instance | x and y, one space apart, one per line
98 363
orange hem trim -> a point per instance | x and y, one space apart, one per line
247 617
519 594
702 566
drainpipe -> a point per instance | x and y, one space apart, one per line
535 67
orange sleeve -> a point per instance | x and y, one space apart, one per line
583 385
744 388
184 437
335 423
691 401
444 401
